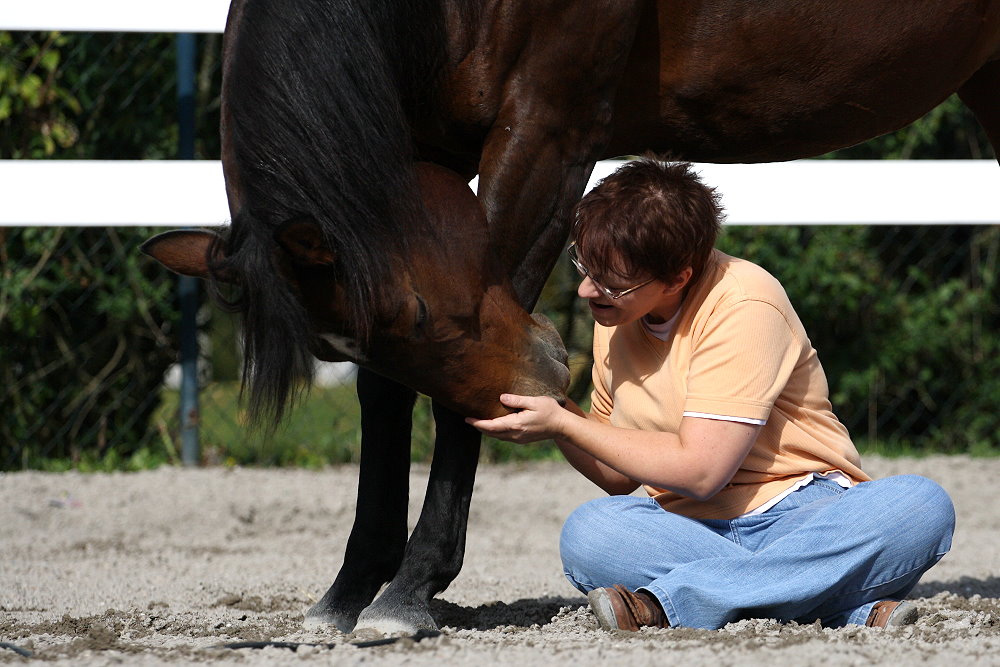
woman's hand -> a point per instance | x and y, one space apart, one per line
539 418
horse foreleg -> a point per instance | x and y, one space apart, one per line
981 94
378 538
436 548
554 122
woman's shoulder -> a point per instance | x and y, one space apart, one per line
729 278
737 291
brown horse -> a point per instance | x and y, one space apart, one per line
328 103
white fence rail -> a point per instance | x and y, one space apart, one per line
817 192
115 15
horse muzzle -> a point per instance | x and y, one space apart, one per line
550 373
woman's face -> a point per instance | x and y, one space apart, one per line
628 308
644 296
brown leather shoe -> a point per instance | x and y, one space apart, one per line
619 609
892 614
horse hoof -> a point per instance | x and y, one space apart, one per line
318 618
406 621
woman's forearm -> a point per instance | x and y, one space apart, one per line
610 480
697 462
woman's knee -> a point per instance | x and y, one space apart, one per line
924 508
593 517
594 528
935 508
926 497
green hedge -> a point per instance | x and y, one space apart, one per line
85 322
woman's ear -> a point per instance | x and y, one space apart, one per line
680 281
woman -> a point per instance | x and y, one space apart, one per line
708 393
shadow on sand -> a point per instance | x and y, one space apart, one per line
520 613
963 586
540 611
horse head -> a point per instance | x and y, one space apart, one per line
447 324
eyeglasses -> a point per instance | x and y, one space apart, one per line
610 293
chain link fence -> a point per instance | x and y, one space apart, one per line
905 318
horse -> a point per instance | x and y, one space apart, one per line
340 236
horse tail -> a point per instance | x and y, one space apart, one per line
319 96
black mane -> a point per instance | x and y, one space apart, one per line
320 93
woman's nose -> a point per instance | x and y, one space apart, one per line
587 289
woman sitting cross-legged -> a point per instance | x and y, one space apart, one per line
709 395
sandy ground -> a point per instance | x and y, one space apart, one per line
162 567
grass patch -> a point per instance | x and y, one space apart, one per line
324 428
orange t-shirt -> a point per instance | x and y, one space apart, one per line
737 349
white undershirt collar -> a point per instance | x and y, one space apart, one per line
661 330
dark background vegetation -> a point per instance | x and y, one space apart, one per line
905 318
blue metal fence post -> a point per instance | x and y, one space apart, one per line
187 286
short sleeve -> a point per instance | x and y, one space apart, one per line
742 361
601 402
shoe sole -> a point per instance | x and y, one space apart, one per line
600 604
904 614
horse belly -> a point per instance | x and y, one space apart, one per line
799 81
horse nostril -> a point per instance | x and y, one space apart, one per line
561 356
562 378
548 331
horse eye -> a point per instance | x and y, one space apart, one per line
421 312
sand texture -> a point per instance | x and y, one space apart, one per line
162 567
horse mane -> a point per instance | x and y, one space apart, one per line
321 94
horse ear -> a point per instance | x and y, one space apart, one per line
182 251
303 240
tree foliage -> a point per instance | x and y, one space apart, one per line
37 110
86 321
87 336
103 96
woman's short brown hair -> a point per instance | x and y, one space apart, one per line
649 219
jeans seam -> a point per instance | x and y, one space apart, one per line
887 582
834 490
735 534
832 486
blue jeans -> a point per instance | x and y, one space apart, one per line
824 552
